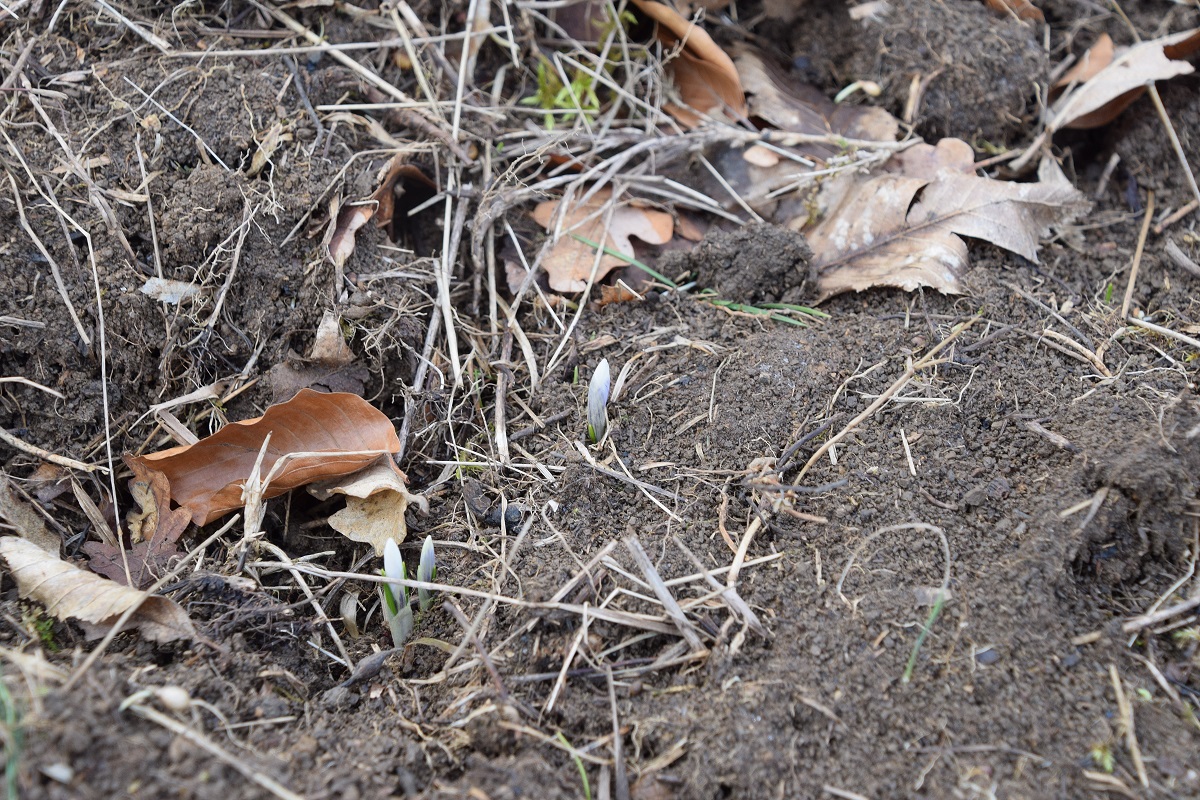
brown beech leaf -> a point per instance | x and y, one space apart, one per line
396 171
1101 94
569 262
155 529
1022 8
343 228
69 592
703 73
904 231
376 500
316 435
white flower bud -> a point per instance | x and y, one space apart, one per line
426 572
598 389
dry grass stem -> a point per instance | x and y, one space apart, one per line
46 455
674 612
1148 620
1128 726
736 604
1137 256
1159 329
1184 210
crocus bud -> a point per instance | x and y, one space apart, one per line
598 390
396 609
426 572
393 567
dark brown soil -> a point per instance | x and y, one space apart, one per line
1000 447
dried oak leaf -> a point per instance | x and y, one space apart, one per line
904 231
154 528
1022 8
69 592
569 262
1109 79
703 73
315 436
376 500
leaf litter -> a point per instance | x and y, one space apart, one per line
154 529
313 436
1107 80
905 230
71 593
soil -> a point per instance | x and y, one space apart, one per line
1067 499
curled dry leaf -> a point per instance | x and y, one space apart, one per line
381 206
569 262
703 73
778 99
904 231
376 500
154 527
1107 79
397 172
346 222
1023 9
314 436
329 366
69 592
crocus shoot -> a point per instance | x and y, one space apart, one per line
597 411
427 573
396 609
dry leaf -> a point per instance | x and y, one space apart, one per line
786 104
381 206
1097 57
947 157
320 436
616 294
329 347
266 148
569 262
1023 9
903 231
329 367
20 515
1099 98
397 172
376 500
346 223
155 530
702 72
69 592
170 291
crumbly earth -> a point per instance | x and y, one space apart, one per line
1067 498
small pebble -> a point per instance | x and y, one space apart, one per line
987 656
59 772
173 698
